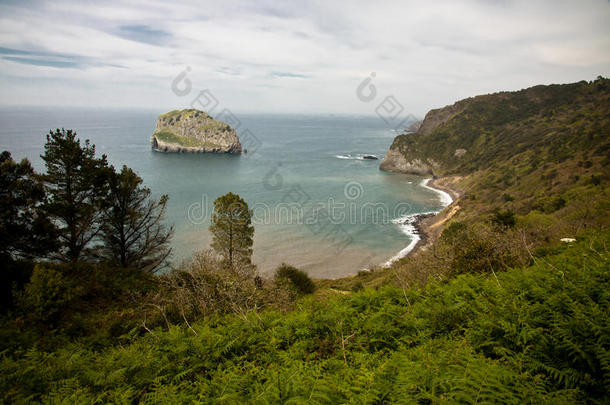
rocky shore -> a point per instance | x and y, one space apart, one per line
431 226
425 228
416 222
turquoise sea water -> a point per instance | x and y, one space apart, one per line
316 204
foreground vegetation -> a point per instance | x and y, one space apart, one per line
535 334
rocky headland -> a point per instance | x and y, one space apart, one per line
401 160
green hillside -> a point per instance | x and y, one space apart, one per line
541 153
539 125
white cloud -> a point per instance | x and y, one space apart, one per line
301 57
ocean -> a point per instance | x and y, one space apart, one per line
317 203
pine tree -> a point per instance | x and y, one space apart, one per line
76 182
232 229
24 232
132 228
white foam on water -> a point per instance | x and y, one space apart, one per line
357 157
407 223
443 196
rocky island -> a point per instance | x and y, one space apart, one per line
193 130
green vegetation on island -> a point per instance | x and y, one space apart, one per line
169 137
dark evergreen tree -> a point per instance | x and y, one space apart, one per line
232 229
132 229
24 232
76 183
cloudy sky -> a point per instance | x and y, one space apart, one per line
256 56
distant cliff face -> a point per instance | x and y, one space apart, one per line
437 117
539 123
193 131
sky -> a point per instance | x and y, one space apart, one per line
293 57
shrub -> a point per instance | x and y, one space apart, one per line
46 294
299 279
480 249
549 205
504 219
206 286
358 286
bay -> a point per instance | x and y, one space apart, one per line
317 203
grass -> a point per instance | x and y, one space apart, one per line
169 137
183 113
213 125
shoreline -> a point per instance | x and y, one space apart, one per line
419 225
437 183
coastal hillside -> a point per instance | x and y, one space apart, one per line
541 154
538 125
193 131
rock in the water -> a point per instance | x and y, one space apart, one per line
369 157
193 131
